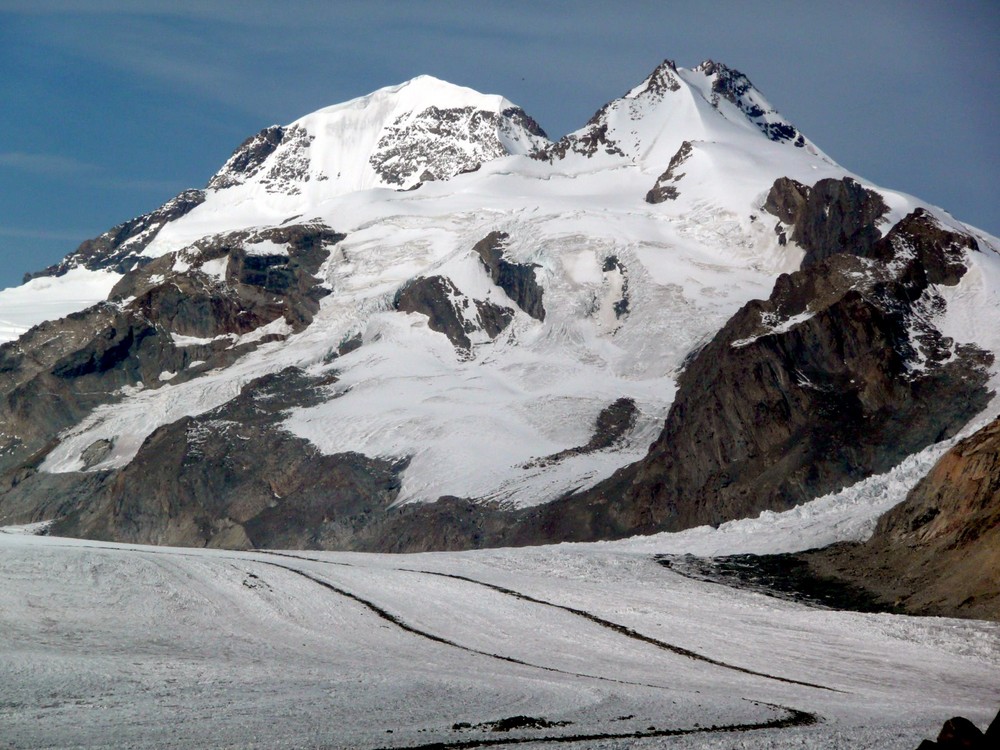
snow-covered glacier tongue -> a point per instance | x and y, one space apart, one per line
412 321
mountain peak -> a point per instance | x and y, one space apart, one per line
671 106
396 137
422 91
663 78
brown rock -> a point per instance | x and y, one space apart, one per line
938 552
810 390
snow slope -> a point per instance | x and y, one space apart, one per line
50 298
168 648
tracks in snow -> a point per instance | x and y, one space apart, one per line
597 620
403 625
792 717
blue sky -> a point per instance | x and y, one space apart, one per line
112 107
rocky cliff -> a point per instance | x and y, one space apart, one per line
938 552
838 375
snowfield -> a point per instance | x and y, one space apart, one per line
109 646
49 298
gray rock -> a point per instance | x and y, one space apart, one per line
439 299
662 190
833 216
516 279
59 371
248 158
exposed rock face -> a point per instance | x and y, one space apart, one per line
612 425
958 733
595 137
615 273
516 279
233 478
661 80
248 158
278 157
835 377
439 143
730 84
938 552
119 248
828 217
592 139
228 286
663 190
61 370
450 312
443 304
58 372
517 117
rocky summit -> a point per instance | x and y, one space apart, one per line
412 321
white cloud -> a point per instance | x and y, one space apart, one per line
43 163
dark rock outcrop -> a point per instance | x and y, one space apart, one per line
835 377
661 80
59 371
519 118
831 217
443 131
621 305
441 301
611 426
450 312
438 143
958 733
454 314
252 289
232 478
516 279
593 138
663 190
735 87
248 158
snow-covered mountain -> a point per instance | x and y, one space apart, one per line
412 321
